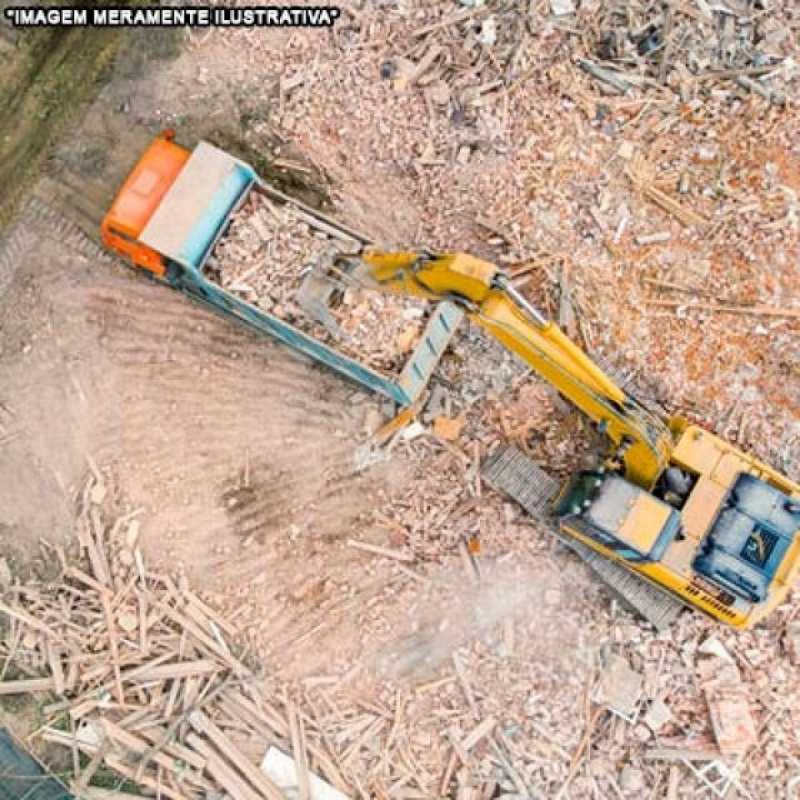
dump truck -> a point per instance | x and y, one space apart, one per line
174 209
672 515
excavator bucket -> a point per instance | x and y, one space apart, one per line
316 292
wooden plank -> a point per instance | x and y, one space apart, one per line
209 612
155 733
202 724
377 550
203 638
27 685
239 713
269 715
221 772
27 619
182 669
56 668
298 738
118 765
78 787
478 733
681 754
141 601
139 746
170 733
80 576
111 632
756 311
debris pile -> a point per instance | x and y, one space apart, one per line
633 166
148 679
280 258
676 45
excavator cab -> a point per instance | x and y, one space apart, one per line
623 518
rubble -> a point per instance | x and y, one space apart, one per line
278 258
673 196
619 689
147 678
629 165
731 719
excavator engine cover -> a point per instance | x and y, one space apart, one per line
745 546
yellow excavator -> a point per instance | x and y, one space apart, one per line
673 515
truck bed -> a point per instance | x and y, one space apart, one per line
274 256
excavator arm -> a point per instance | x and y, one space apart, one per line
643 443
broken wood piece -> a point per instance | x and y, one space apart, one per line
652 238
681 754
97 561
776 98
167 672
683 215
80 576
153 734
298 741
113 644
577 756
223 773
56 667
203 724
262 710
27 619
494 227
98 531
84 706
140 746
756 310
426 62
27 685
459 16
203 638
606 76
119 765
203 607
377 550
482 730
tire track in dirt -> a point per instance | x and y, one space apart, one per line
240 454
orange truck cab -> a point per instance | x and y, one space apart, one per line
137 201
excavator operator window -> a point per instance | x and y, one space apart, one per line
759 546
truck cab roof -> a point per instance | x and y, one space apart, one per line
144 188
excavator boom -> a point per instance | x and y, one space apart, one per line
485 294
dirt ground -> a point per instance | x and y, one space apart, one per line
240 456
243 458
